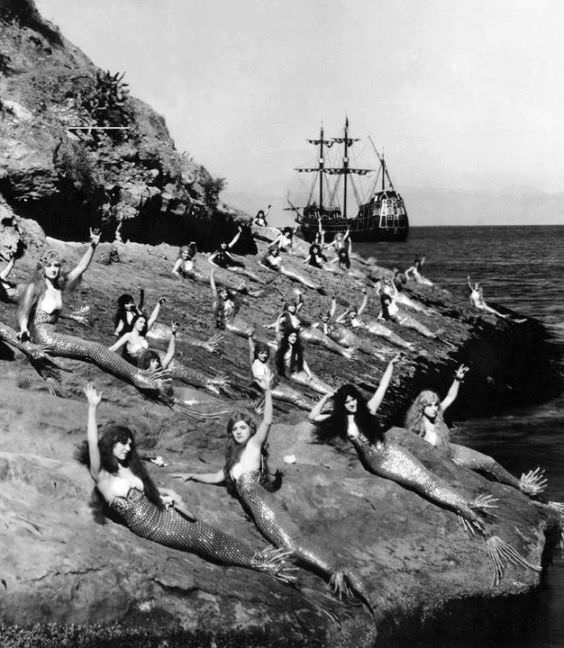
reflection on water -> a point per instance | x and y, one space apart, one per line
521 268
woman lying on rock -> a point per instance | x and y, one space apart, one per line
341 243
137 351
247 478
354 419
425 418
159 514
273 261
222 258
263 375
39 310
226 307
352 317
291 364
477 300
391 312
185 268
289 320
343 336
414 272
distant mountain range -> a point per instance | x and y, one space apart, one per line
518 206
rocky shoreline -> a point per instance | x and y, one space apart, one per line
68 576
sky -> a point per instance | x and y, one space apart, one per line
462 95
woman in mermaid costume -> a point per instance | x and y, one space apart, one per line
352 316
159 514
246 476
39 311
353 418
425 418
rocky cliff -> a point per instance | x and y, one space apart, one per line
77 149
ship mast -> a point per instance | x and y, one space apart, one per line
320 175
345 166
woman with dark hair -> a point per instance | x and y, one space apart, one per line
345 337
128 312
39 310
289 320
260 218
246 475
159 514
353 418
425 418
226 308
273 261
222 258
390 312
291 364
285 240
259 355
352 315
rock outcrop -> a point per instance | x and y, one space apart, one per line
76 578
76 149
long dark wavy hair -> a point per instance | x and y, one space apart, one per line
335 427
122 300
111 434
233 452
297 356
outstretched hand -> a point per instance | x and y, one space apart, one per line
92 396
396 358
94 236
461 372
173 327
162 300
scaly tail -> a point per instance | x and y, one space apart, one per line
275 563
500 553
533 482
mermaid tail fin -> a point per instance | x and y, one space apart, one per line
346 584
275 563
500 553
470 521
533 482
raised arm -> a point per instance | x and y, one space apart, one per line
469 282
169 355
117 345
316 414
24 311
235 238
453 391
261 434
76 273
364 302
8 269
251 339
141 300
153 317
376 400
211 259
333 307
342 316
93 397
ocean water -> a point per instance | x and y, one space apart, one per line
521 268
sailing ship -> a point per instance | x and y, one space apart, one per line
382 218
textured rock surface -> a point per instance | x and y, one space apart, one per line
60 168
62 566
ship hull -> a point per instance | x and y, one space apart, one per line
384 218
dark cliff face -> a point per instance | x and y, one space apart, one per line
76 150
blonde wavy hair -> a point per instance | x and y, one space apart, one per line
414 418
